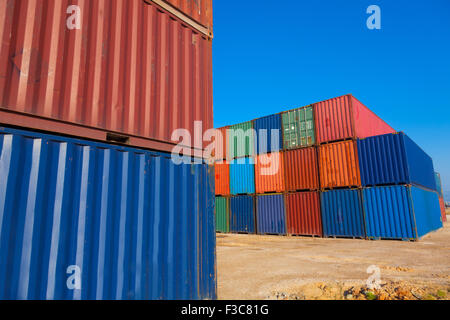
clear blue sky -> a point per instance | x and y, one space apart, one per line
270 56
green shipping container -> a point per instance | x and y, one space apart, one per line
222 215
241 140
298 128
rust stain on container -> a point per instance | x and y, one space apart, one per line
303 214
301 169
222 173
199 10
269 173
338 165
131 69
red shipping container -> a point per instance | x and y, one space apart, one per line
339 165
303 214
301 169
345 117
269 173
221 145
442 205
132 73
222 174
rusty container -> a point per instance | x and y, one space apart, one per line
222 178
132 73
338 165
301 169
442 207
303 214
269 173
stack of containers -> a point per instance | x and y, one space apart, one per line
399 183
302 198
87 183
440 192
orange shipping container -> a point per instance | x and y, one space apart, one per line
222 174
269 173
301 169
442 205
338 165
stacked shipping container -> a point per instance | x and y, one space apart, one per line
135 224
328 150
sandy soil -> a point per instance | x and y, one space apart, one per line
272 267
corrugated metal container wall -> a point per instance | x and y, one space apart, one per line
303 214
269 173
270 214
438 184
345 117
394 159
242 176
301 169
241 140
394 212
338 165
298 128
131 69
263 128
242 214
130 222
199 10
220 151
342 214
222 178
442 206
222 214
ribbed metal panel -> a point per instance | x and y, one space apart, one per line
199 10
298 128
242 214
342 214
242 176
131 69
135 224
265 141
303 213
222 178
222 214
338 165
400 212
394 159
443 213
271 216
241 140
269 173
301 169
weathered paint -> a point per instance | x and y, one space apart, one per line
269 173
222 178
220 151
400 212
345 117
394 159
338 165
131 69
133 223
242 176
342 213
269 135
240 140
303 215
242 214
199 10
270 214
301 169
442 207
222 214
298 128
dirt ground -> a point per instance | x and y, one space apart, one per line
273 267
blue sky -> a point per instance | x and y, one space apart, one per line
271 56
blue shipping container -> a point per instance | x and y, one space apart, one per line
85 220
242 214
400 212
265 142
242 176
271 214
394 159
342 214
